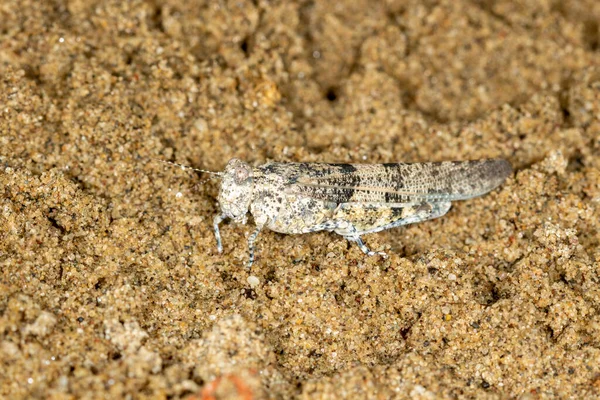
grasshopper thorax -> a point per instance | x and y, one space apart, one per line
237 186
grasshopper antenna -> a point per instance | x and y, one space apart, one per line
184 167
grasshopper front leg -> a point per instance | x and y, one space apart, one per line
251 240
216 221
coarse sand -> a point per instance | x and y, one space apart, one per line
111 285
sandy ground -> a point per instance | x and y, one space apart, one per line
111 285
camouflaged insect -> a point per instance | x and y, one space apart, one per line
348 199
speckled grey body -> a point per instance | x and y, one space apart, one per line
348 199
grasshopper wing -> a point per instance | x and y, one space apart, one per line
398 183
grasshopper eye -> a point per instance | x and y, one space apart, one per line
242 173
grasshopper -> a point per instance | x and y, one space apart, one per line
348 199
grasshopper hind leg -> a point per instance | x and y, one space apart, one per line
410 215
364 247
398 216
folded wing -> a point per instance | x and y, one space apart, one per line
398 183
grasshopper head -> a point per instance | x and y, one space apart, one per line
236 190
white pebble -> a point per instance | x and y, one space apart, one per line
253 281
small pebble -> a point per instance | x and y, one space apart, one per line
253 281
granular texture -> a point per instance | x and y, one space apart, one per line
111 285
